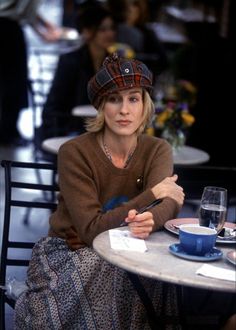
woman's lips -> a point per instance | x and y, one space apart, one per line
123 122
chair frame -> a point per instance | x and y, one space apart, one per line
7 244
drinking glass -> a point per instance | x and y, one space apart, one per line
213 208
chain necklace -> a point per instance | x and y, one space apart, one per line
108 154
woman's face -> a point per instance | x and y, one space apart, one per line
104 36
133 14
123 111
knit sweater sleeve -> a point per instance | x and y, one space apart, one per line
158 168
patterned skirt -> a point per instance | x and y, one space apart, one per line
71 290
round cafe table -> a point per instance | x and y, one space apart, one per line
187 155
84 111
53 144
158 263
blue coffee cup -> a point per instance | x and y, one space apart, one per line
197 240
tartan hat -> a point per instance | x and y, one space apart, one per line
116 74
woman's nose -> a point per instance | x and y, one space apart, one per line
124 108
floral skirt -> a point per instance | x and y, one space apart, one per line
73 290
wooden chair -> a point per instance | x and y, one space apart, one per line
20 195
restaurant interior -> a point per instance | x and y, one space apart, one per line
197 38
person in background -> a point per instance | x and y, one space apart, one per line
105 176
13 61
126 34
71 9
153 52
69 86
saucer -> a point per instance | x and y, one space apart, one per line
231 257
177 250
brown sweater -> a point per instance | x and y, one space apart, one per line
96 196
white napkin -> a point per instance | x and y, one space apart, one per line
123 240
217 272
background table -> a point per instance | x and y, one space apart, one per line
84 111
185 156
53 144
158 263
168 34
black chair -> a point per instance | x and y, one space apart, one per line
194 178
20 194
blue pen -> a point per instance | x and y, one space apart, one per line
144 209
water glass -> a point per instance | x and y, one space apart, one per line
213 208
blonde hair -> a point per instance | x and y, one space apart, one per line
97 124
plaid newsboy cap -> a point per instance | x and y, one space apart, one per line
116 74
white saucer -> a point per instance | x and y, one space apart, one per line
231 257
177 250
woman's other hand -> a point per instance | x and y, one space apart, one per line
169 188
47 30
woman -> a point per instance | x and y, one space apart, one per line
105 175
69 86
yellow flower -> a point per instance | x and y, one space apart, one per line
150 131
188 86
172 93
163 117
188 119
121 49
172 117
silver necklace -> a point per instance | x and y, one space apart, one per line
108 154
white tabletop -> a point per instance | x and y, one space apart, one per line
53 144
158 263
186 155
189 14
168 34
57 48
84 111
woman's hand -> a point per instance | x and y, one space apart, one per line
140 225
169 188
48 31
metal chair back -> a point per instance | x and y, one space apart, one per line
20 194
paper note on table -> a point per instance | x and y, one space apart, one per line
123 240
217 272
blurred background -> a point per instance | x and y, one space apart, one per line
178 40
188 45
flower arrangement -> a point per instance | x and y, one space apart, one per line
173 117
122 50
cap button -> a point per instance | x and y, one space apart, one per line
126 70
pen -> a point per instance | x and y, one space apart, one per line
144 209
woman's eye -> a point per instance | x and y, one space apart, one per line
134 99
113 99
